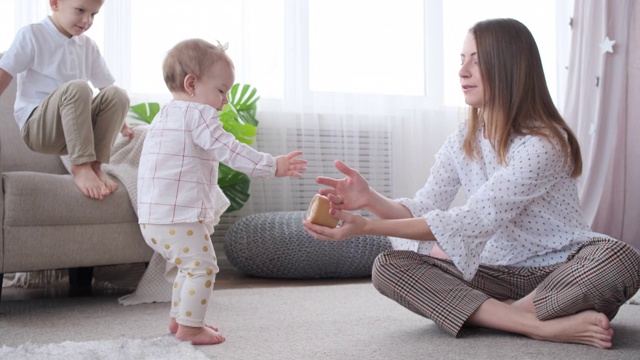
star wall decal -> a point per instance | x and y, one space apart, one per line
607 45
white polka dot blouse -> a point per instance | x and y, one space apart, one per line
525 213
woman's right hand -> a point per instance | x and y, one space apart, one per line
349 193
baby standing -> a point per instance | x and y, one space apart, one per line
179 200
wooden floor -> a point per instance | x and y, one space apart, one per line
227 278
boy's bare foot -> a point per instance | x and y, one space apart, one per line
88 182
173 326
110 184
199 335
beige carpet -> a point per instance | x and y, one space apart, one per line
350 321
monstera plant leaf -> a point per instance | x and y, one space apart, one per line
237 117
235 186
144 112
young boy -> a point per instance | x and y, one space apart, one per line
55 107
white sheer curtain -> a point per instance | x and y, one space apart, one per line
602 107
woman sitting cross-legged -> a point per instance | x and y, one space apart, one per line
518 256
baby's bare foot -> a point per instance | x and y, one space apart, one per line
199 335
86 179
173 326
110 184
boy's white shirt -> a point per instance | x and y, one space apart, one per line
42 59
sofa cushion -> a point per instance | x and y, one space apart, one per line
50 224
275 245
34 199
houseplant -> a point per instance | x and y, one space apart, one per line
239 118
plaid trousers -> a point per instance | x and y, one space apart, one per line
601 275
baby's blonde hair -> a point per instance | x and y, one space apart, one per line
192 56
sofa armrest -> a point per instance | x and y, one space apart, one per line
1 227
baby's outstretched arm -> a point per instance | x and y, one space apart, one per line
290 165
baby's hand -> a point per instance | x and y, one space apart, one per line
126 130
290 165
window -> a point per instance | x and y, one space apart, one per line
7 23
460 15
367 46
253 29
290 50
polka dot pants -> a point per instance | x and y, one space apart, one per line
189 247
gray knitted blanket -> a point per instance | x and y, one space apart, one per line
154 286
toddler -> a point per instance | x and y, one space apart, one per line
179 200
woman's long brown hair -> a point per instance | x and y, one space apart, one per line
516 98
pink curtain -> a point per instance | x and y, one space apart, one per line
603 108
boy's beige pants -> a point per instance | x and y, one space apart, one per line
70 121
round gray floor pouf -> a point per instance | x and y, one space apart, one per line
275 245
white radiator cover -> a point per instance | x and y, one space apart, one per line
368 151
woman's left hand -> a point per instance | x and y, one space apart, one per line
351 225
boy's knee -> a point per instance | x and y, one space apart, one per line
78 88
116 94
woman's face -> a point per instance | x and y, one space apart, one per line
470 78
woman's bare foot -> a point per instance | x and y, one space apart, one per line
173 326
110 184
587 327
88 182
199 335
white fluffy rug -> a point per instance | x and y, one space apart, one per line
165 347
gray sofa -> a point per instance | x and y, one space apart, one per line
47 223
